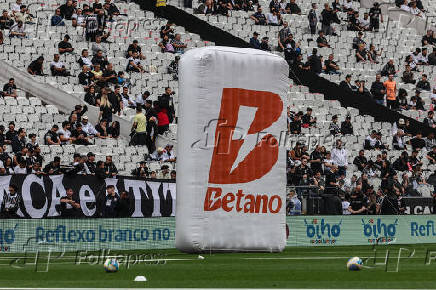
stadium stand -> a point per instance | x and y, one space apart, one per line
155 69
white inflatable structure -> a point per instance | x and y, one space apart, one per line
231 160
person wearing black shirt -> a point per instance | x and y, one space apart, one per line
315 62
431 156
67 9
11 133
304 169
166 102
6 22
53 167
295 125
346 84
69 207
109 75
331 181
292 8
79 136
19 141
331 66
134 47
423 84
90 162
9 89
391 202
116 100
346 126
360 161
427 39
102 129
375 14
35 67
86 78
64 46
316 159
418 142
358 201
100 60
167 30
307 119
111 202
321 40
10 203
109 167
378 90
141 171
111 9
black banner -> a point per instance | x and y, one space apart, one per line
418 205
41 195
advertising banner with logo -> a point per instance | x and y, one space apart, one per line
40 195
361 230
20 236
231 167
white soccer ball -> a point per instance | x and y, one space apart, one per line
111 265
354 264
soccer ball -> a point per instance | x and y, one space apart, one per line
354 264
111 265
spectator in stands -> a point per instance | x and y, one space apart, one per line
54 167
430 141
57 67
69 207
114 130
86 79
403 104
167 30
391 91
152 130
51 137
264 45
84 59
292 8
334 126
308 120
67 10
105 107
6 21
173 68
110 75
166 45
418 142
362 90
36 67
78 18
111 9
389 69
313 19
378 90
429 121
19 141
339 156
259 18
274 18
17 30
418 102
328 17
346 84
254 41
360 161
398 142
331 66
321 40
141 171
99 58
423 84
415 10
139 128
427 39
376 15
346 126
134 47
134 64
373 54
168 154
79 137
358 40
408 77
361 53
10 89
102 129
10 134
109 167
423 57
314 62
295 125
179 46
365 22
57 19
431 155
64 134
88 128
23 15
358 201
65 46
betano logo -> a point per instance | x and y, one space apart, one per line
230 164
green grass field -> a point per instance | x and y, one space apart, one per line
322 267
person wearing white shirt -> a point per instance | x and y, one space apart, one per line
168 155
405 6
345 206
65 133
88 128
365 21
348 4
272 19
16 6
21 168
340 158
